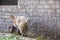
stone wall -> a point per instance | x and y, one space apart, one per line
44 15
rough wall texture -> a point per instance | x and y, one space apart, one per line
44 15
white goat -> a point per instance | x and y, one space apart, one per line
19 22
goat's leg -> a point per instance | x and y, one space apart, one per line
17 31
21 32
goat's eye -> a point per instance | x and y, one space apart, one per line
19 21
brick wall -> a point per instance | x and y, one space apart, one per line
44 14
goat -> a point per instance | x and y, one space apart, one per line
20 22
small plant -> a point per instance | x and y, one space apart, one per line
43 37
12 37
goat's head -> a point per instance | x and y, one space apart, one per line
9 16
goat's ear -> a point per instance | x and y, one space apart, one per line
27 18
12 16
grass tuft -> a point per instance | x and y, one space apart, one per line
12 37
43 37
